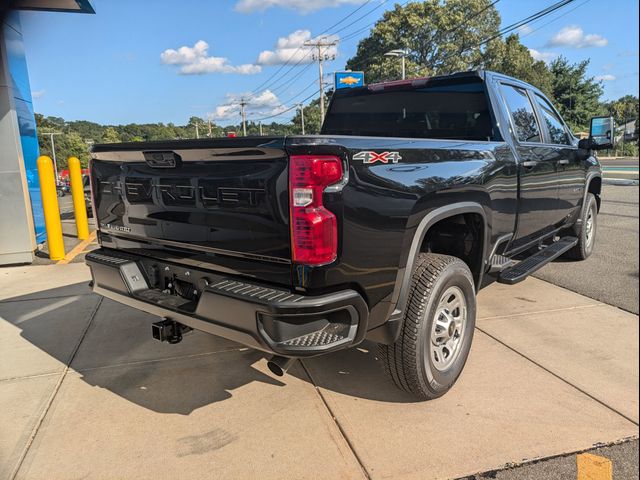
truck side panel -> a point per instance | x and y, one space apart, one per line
382 205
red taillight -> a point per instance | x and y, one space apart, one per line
314 230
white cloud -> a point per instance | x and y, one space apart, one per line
605 78
544 56
524 29
196 61
263 104
38 94
291 49
302 6
574 36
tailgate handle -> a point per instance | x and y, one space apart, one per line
162 159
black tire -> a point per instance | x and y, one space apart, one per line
586 235
409 362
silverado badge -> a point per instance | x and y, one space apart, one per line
373 157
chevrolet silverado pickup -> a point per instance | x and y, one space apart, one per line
415 195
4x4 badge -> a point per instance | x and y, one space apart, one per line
373 157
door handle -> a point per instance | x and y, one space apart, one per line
564 161
530 163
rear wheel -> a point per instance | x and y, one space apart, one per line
586 230
438 327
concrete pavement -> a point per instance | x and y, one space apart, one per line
86 392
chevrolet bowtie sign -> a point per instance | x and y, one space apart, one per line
349 79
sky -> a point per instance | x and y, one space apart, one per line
137 61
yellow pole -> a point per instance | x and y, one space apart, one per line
52 221
77 192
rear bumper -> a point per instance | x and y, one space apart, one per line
270 319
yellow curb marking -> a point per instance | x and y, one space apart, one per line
594 467
78 249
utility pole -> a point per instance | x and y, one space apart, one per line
301 116
209 122
321 56
243 103
197 134
260 126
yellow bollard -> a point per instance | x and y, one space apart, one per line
50 206
77 192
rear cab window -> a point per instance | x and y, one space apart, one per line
523 117
456 110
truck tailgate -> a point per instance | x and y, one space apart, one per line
226 197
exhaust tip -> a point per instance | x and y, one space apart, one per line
275 369
279 365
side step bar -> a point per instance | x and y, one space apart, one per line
526 267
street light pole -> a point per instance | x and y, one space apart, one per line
403 54
53 152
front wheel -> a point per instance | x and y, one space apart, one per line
438 328
586 230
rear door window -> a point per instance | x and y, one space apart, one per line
522 114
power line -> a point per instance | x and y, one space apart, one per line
300 47
266 84
369 25
287 110
555 19
509 28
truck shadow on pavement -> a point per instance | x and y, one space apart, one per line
110 346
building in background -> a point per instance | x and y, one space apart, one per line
21 217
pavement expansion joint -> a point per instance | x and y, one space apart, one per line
537 312
365 473
53 395
159 360
28 377
31 299
551 372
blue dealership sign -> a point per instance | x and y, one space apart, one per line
349 79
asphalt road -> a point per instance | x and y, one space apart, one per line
624 168
624 458
610 275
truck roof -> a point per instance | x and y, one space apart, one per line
482 75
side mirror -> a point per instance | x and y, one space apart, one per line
602 133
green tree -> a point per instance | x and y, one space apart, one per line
576 95
441 37
512 58
110 135
623 109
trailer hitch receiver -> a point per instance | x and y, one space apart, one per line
169 331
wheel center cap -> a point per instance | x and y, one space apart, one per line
452 329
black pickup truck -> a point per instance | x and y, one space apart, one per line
415 195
